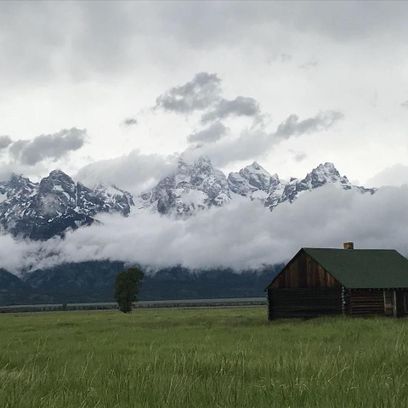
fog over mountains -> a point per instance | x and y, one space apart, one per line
56 204
196 217
198 231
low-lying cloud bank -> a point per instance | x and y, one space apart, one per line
241 235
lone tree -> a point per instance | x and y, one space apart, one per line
127 287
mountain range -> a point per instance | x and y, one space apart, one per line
197 186
57 203
42 210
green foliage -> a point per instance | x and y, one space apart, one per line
229 358
127 287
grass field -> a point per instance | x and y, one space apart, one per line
200 358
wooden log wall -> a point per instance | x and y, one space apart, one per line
388 296
366 302
303 302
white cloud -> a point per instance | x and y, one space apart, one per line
256 141
19 255
133 172
5 141
396 175
241 235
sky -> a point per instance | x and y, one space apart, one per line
115 92
288 84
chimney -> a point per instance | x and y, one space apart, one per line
348 245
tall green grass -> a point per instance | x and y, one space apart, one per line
200 358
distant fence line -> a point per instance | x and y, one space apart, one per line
186 303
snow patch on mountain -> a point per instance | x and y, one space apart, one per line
323 174
57 203
198 186
192 187
45 209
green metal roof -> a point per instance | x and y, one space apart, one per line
363 268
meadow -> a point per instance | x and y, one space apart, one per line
200 358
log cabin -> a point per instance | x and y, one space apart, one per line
329 281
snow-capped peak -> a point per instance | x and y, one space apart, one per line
251 179
42 210
193 186
323 174
198 185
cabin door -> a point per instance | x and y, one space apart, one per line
395 303
402 303
399 303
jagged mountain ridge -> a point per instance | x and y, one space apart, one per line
55 204
192 187
198 186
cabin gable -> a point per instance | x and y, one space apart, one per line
303 271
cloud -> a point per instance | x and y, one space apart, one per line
93 30
309 65
210 134
198 94
396 175
134 172
5 141
19 255
43 147
204 24
325 217
203 93
240 106
293 127
281 57
256 141
300 157
130 122
404 104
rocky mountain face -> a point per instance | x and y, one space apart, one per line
199 186
323 174
192 187
55 204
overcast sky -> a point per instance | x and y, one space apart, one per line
290 85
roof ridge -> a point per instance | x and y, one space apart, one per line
351 250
